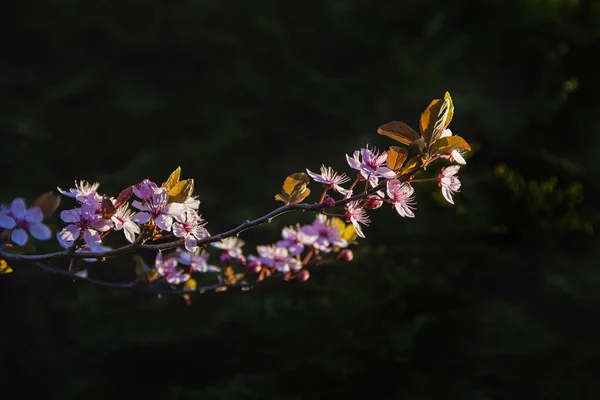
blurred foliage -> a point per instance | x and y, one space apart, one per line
497 297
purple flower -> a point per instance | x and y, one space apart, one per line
401 194
167 267
232 246
85 222
21 220
322 235
357 214
293 239
330 179
83 192
449 182
278 258
198 262
189 226
122 221
370 163
145 190
157 208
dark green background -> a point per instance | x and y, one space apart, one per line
495 298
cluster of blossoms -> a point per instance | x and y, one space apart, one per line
371 168
171 211
97 215
299 247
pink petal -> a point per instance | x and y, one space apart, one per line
141 217
139 205
458 157
175 210
164 222
447 193
352 162
102 225
316 177
190 243
92 238
178 230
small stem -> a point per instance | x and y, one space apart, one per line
332 214
423 180
308 256
323 195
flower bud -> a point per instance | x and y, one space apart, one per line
254 267
225 258
373 202
329 202
303 275
346 255
145 190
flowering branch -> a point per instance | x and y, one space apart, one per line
170 212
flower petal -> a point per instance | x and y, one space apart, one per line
19 236
141 217
40 231
190 243
7 222
92 238
18 208
164 222
34 215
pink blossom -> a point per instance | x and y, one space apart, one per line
122 221
278 258
370 164
192 203
330 179
189 225
373 202
145 190
449 182
293 239
322 235
84 222
401 194
83 192
357 215
198 261
157 208
232 246
21 220
167 267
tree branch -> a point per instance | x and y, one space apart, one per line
70 253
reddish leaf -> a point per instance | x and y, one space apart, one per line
396 157
399 131
48 203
